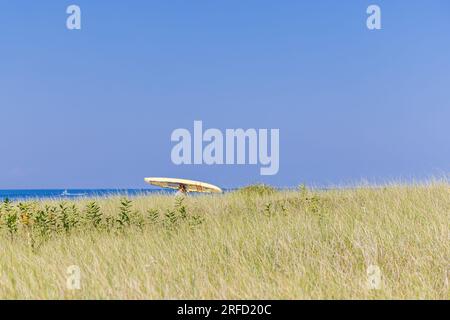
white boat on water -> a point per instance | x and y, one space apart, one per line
66 193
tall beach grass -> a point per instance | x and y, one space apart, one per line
255 243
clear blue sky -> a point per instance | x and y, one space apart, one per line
96 107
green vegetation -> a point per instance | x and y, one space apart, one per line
253 243
257 190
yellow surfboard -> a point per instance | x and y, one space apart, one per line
190 185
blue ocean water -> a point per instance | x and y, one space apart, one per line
17 195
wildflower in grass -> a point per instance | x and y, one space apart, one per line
180 207
9 217
40 223
138 219
73 216
51 216
93 214
110 223
171 219
153 215
25 214
63 214
6 207
11 222
196 220
25 211
124 212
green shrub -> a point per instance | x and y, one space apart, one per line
257 190
153 216
93 214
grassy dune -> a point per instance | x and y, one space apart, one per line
253 244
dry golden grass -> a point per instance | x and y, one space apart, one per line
282 245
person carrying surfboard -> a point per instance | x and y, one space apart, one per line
183 186
182 190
